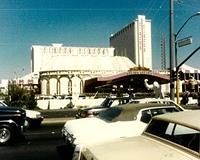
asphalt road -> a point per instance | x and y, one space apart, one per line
43 143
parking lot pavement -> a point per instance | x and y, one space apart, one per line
39 143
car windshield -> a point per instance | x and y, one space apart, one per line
110 114
179 134
2 104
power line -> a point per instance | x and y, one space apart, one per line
150 6
160 7
75 9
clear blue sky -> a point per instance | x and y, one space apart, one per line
86 23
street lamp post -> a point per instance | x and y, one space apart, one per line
176 34
175 40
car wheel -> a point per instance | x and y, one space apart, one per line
6 134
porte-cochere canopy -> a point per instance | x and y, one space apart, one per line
130 79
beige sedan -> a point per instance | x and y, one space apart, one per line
174 136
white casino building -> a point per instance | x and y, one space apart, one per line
134 42
63 70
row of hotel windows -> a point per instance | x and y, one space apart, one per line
66 50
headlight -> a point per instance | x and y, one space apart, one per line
69 137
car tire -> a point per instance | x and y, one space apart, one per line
6 134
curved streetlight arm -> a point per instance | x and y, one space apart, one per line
196 14
176 34
177 68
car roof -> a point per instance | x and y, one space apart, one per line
130 111
187 118
116 98
139 106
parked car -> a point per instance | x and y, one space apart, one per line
154 100
11 124
33 118
170 136
107 103
158 100
116 122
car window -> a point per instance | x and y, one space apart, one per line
115 103
148 114
179 134
134 102
107 102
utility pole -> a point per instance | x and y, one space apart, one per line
171 48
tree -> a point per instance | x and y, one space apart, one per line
20 97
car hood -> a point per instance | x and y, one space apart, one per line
93 130
142 147
11 109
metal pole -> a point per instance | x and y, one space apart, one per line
176 58
196 14
191 54
176 72
171 47
177 69
177 87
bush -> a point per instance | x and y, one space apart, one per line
20 97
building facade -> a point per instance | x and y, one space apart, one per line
4 86
134 42
63 70
190 79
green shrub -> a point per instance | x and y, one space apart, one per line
20 97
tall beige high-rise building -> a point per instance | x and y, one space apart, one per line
134 42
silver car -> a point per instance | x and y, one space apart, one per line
174 136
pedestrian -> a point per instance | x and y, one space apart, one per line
185 98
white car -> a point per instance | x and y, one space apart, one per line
107 103
174 136
116 122
154 100
33 118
